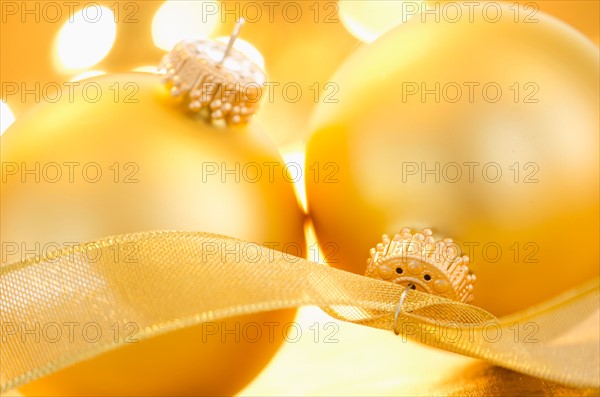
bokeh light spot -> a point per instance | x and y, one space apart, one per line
294 154
368 19
181 20
6 117
86 38
147 69
87 75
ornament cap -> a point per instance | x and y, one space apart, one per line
421 262
215 79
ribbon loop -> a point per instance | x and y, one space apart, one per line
84 284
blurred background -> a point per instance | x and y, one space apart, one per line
43 44
299 43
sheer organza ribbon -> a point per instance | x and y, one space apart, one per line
164 281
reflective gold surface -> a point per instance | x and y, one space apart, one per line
366 362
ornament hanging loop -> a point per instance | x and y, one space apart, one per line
400 304
233 38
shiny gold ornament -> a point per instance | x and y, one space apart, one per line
483 130
420 261
122 157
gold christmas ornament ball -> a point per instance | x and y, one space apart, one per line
484 130
120 155
580 14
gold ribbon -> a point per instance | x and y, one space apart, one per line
164 281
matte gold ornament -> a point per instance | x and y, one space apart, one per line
421 262
139 163
509 169
581 14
